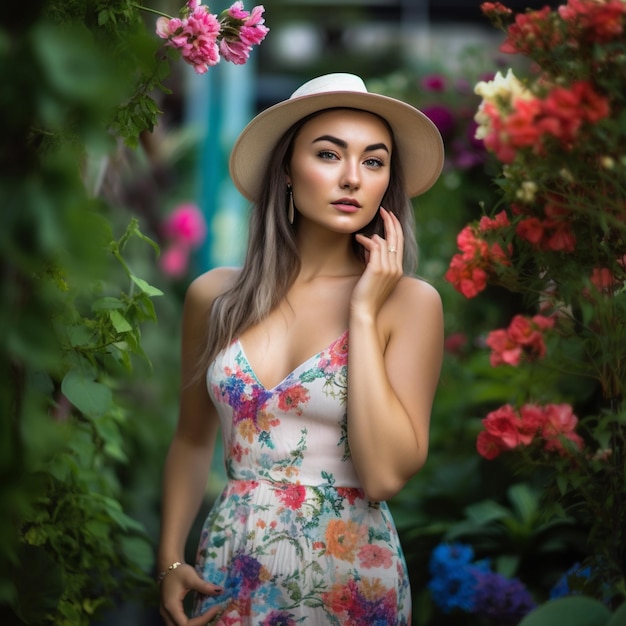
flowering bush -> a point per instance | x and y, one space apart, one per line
559 240
202 37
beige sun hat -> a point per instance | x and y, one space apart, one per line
417 139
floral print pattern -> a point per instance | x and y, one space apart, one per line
292 539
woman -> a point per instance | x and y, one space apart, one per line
301 533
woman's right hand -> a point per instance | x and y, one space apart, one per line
175 586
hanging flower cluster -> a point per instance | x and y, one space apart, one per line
185 229
508 429
203 37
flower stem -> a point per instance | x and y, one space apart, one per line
150 10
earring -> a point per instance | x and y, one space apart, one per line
291 211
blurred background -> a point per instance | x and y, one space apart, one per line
84 489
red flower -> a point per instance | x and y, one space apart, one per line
291 495
455 342
495 9
291 397
531 30
500 220
523 338
504 349
469 270
488 446
594 21
507 429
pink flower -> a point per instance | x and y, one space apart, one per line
186 225
240 31
174 260
195 35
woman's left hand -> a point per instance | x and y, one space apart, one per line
384 267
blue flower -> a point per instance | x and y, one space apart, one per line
449 556
454 590
574 577
453 576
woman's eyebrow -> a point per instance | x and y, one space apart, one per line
343 144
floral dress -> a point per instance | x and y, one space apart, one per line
292 538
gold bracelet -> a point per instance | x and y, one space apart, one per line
169 569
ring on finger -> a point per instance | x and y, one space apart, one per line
392 249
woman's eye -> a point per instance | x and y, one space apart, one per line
326 154
373 162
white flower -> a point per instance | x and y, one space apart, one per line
502 88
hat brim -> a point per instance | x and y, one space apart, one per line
418 140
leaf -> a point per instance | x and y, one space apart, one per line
88 396
107 303
572 611
39 583
486 511
138 550
145 287
79 335
524 502
619 617
120 323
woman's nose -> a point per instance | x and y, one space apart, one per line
350 178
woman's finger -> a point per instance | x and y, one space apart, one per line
206 619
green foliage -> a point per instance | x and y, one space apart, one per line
573 611
77 76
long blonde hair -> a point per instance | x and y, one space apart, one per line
272 262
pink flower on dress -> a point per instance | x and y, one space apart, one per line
371 555
291 495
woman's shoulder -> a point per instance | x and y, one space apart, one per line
413 299
203 290
412 289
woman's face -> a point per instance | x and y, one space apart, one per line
340 169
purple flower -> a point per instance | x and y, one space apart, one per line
434 82
441 116
500 598
279 618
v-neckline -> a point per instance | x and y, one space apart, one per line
294 370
